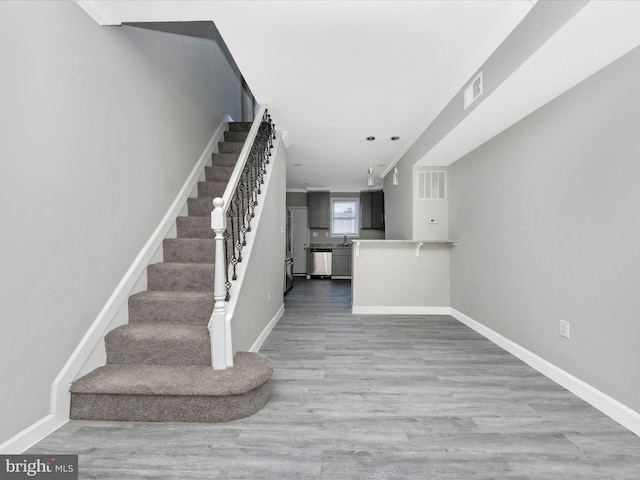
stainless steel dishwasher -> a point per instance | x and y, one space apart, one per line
320 262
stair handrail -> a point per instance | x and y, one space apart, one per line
231 221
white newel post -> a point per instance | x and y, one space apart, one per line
217 325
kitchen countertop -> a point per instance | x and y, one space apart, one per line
328 245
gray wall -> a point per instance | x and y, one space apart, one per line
265 266
548 219
544 19
101 126
398 204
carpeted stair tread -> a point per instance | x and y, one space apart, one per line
224 159
230 147
250 371
192 308
211 189
236 136
240 126
195 227
189 250
218 173
159 344
197 277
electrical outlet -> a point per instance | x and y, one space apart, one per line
326 234
433 220
315 234
565 330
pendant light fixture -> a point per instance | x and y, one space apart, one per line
370 180
394 177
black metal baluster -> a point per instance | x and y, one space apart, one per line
227 283
245 197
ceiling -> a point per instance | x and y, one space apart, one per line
597 35
335 72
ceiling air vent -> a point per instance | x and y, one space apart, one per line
473 90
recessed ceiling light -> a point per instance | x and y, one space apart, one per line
370 139
395 138
297 164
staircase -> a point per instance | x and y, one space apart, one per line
159 365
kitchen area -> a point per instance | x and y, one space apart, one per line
323 226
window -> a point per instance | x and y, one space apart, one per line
344 217
431 185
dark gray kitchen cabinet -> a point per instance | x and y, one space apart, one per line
319 206
372 209
341 262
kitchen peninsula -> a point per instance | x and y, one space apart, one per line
401 276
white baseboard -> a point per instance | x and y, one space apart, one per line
267 330
400 310
622 414
33 434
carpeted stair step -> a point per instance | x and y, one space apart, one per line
224 159
240 126
218 174
183 277
173 393
230 147
211 189
236 136
200 207
188 308
159 344
195 227
189 250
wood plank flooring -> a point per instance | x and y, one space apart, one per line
373 397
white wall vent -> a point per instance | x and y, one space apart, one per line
432 185
473 90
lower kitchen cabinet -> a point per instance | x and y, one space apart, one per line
341 262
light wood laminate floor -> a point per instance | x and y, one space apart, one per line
373 397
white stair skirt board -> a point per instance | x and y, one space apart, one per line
622 414
255 348
400 310
82 355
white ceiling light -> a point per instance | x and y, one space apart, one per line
370 180
394 178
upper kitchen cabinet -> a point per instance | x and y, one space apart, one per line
319 210
372 209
